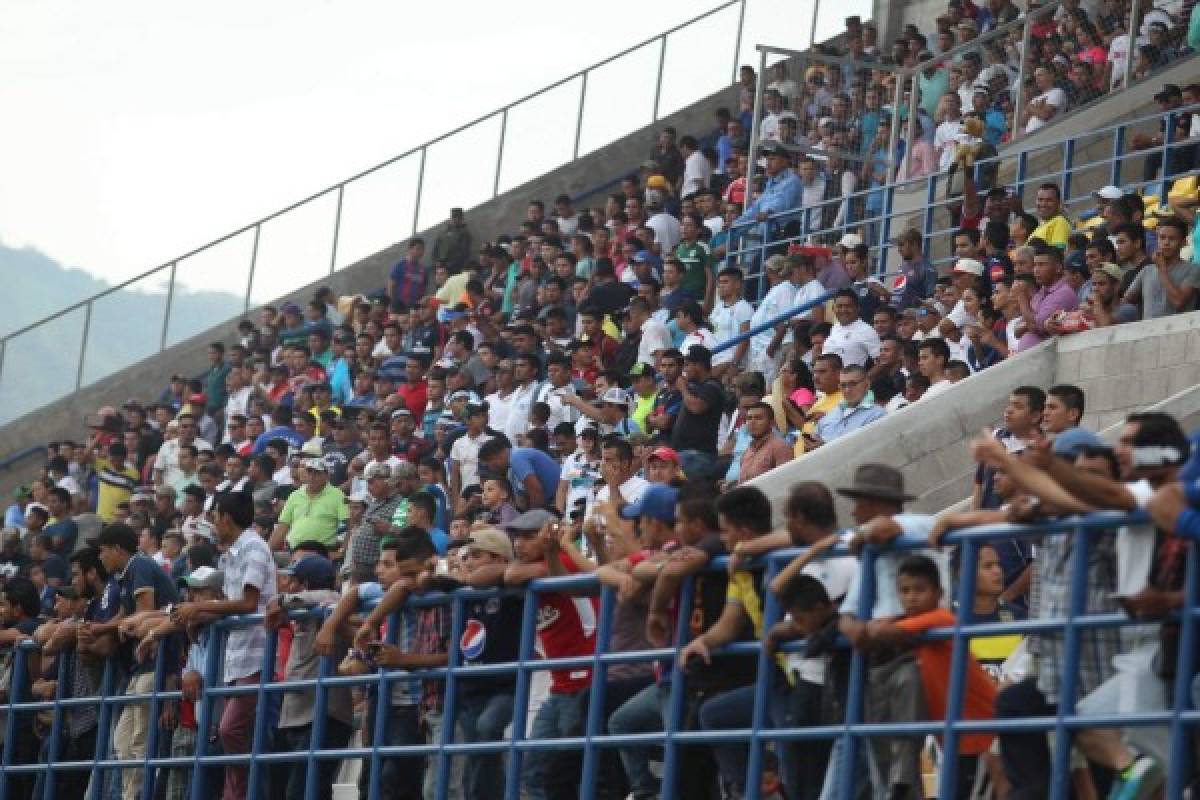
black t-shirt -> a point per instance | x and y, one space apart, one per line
609 297
491 635
708 602
699 431
337 460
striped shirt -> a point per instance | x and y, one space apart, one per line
247 563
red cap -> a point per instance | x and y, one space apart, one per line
665 454
197 399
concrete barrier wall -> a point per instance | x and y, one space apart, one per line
1121 370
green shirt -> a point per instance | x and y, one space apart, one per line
314 518
695 257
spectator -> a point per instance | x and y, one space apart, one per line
532 474
766 449
694 432
1170 287
408 279
1054 295
312 512
855 411
453 245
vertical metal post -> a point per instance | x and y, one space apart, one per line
812 31
662 58
520 717
156 688
450 696
677 700
752 153
383 709
579 116
894 138
1018 100
253 265
969 552
1169 137
337 226
10 724
499 152
3 347
911 137
162 341
762 690
1135 13
56 727
1181 753
420 186
594 725
204 716
737 43
103 729
1068 165
1060 775
87 324
847 775
885 225
927 217
1118 154
320 723
1022 171
258 738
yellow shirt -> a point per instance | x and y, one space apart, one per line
741 590
1053 231
823 405
114 485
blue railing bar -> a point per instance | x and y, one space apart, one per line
673 718
512 778
595 720
21 456
1181 752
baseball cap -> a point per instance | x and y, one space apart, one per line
775 149
165 491
969 266
358 497
777 264
316 464
531 521
657 502
1108 193
1111 270
202 578
401 412
1073 441
489 540
656 182
615 396
377 469
850 240
315 570
665 454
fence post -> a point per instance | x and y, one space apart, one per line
594 725
499 153
450 695
87 324
156 688
579 116
19 668
337 226
969 552
253 265
316 739
54 751
676 701
1019 102
512 782
1181 753
420 186
927 217
1068 165
1117 155
259 737
662 58
204 717
1060 776
737 44
762 689
848 757
1134 24
162 341
103 729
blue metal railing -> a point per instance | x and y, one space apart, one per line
850 733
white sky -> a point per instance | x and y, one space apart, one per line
136 130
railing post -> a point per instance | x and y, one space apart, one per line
54 750
737 44
316 738
894 138
1169 136
812 31
1181 753
927 217
258 739
594 725
1134 23
214 658
662 58
10 723
103 730
752 159
1118 154
762 689
969 554
87 324
253 265
1022 169
420 186
579 116
520 717
450 697
156 688
913 106
162 341
677 699
1060 775
1018 101
885 226
499 153
383 710
337 226
1068 165
847 774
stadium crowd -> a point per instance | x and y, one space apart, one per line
565 400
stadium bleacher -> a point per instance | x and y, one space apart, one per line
509 524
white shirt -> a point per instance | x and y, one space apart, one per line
521 403
666 231
631 490
958 315
945 141
237 403
696 173
465 453
552 396
655 339
769 127
567 225
1055 97
780 298
715 225
855 343
836 575
701 336
498 409
727 322
1135 546
786 87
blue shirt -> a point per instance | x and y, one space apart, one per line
340 381
142 574
526 461
404 692
994 126
842 419
281 432
783 192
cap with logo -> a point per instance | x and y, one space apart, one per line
657 502
315 570
968 266
202 578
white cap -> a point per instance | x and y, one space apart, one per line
850 240
1108 193
616 396
969 266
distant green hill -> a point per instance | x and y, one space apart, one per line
40 366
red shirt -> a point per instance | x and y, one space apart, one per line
606 350
566 627
415 397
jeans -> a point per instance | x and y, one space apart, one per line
297 740
483 718
641 713
1026 756
400 777
735 709
543 773
434 722
610 776
237 731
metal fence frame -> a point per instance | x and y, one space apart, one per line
850 733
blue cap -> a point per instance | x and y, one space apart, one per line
315 570
642 256
658 502
1071 442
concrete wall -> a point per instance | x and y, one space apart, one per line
146 379
1121 370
